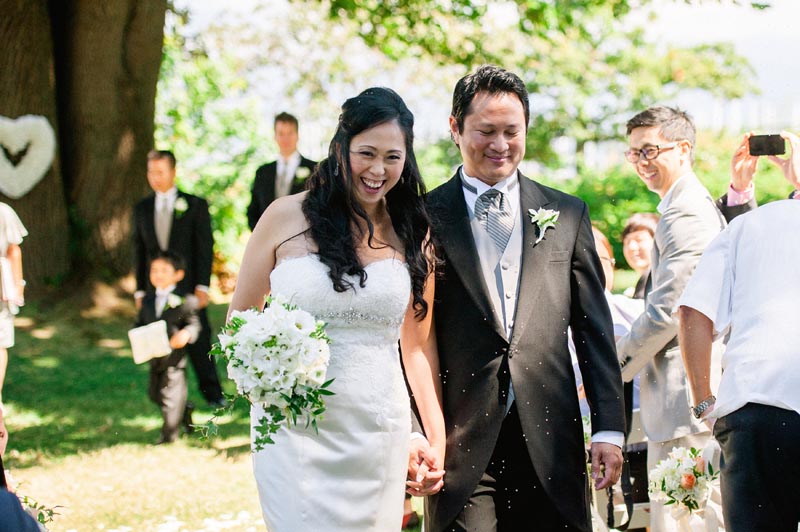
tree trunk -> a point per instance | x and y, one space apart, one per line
27 86
107 56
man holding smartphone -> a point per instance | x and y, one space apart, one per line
743 287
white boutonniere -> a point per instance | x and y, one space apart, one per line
301 174
173 301
544 219
181 206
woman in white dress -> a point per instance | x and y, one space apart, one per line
354 251
12 287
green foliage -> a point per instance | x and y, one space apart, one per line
206 116
615 194
585 62
612 197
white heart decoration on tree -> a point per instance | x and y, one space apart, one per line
27 148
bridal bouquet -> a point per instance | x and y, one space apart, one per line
683 479
278 358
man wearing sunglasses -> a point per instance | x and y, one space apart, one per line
661 150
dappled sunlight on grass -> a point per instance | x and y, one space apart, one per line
44 333
113 343
77 411
45 362
23 322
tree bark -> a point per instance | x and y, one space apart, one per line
27 86
108 56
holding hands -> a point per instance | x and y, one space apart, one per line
425 468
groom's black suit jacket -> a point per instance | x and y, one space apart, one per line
561 285
263 191
190 236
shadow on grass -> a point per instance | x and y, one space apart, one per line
72 385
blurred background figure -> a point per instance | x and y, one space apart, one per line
12 286
172 220
284 176
637 247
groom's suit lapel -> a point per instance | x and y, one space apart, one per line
534 256
455 236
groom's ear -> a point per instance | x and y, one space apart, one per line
454 134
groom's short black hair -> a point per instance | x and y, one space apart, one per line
491 79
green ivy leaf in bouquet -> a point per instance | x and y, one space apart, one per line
278 358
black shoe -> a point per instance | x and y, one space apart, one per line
187 418
218 403
163 441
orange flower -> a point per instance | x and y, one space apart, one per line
700 464
687 481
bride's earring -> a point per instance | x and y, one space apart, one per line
336 170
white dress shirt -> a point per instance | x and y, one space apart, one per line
162 294
285 174
746 283
169 197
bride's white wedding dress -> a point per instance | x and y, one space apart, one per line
350 476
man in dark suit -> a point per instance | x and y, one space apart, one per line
510 287
173 220
287 175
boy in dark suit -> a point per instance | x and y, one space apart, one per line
168 374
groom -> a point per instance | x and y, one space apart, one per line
509 289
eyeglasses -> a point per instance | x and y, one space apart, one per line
648 153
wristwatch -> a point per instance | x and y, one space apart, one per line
705 404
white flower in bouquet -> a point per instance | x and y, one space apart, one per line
278 358
682 479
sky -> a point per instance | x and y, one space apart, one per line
768 39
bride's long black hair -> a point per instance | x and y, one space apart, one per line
333 211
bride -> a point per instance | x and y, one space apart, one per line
354 251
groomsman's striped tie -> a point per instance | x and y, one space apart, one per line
491 212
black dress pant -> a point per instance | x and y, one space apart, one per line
760 467
509 496
204 366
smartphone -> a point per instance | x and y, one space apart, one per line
767 145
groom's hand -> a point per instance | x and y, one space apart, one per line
424 470
606 464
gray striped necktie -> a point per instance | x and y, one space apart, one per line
491 212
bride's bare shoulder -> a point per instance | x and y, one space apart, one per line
283 218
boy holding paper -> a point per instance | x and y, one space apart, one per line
168 373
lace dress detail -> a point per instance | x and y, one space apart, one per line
350 476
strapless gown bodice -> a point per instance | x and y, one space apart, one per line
350 475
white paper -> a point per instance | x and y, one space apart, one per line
149 341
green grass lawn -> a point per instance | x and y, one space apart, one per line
82 429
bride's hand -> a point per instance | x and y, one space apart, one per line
426 468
